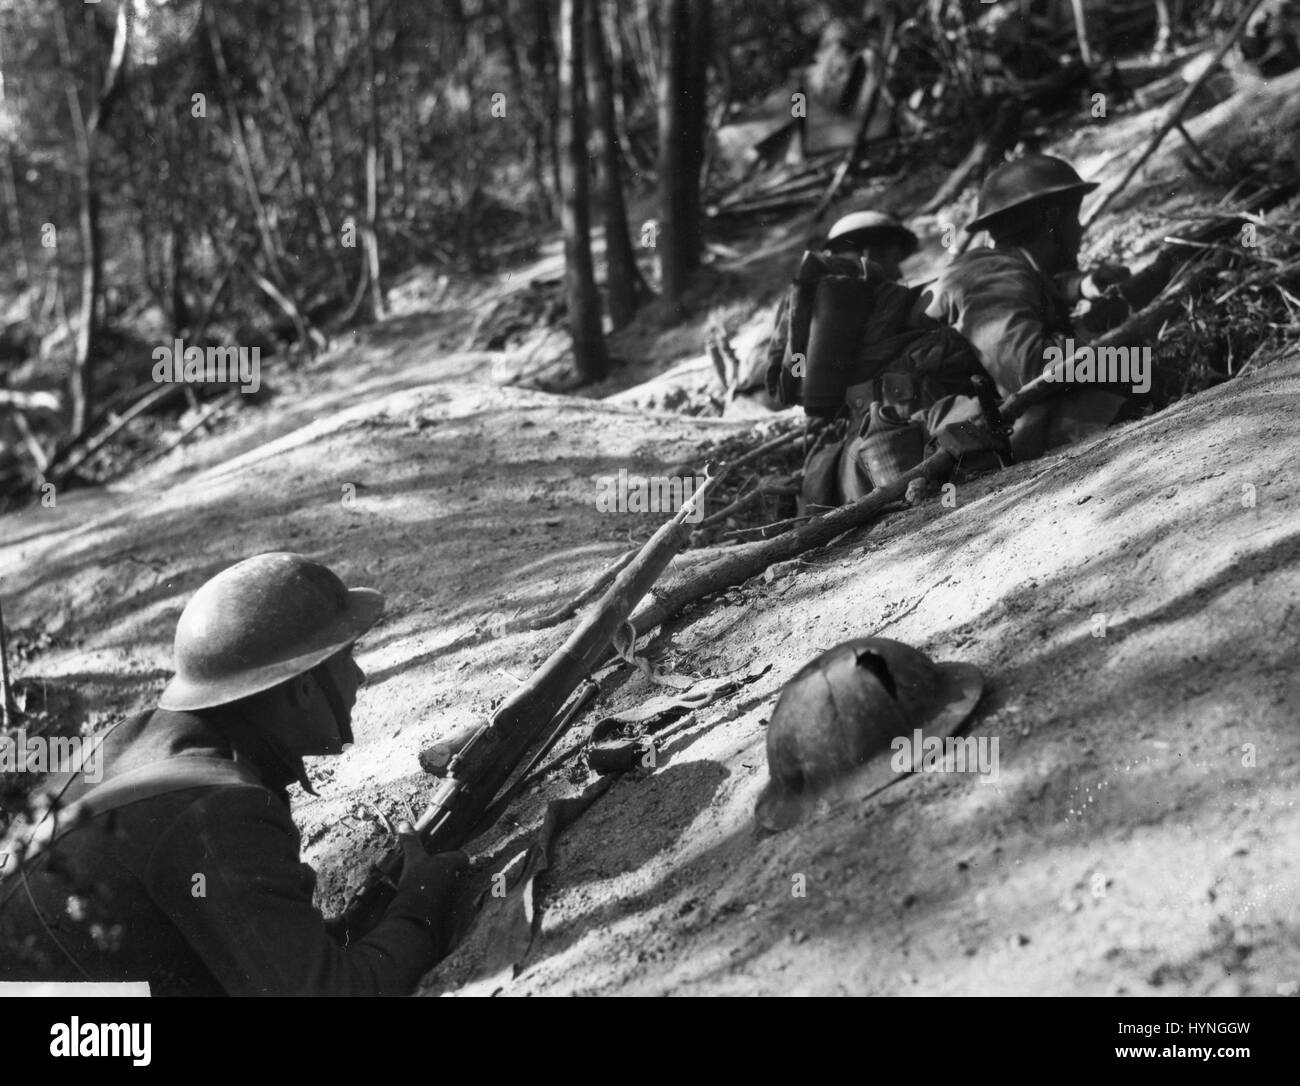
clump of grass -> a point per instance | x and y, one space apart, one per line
1249 320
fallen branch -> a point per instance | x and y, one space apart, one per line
878 76
763 205
744 502
1000 135
179 439
34 448
762 450
1175 112
768 531
29 401
756 453
155 395
750 559
479 770
7 707
568 610
1081 31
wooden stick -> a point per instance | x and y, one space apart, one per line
479 770
1175 112
1081 31
869 110
749 559
21 400
767 531
762 450
103 415
742 503
7 707
568 610
179 439
999 135
154 396
34 448
1208 164
756 453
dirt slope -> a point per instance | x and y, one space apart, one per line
1125 846
1120 756
1140 836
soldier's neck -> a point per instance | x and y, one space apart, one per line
253 749
1044 255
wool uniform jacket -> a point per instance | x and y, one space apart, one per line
1011 313
200 891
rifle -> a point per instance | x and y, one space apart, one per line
473 775
1155 283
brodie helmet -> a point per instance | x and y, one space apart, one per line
260 622
845 708
1014 184
878 223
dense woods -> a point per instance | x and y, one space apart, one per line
259 175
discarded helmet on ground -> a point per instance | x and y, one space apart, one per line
844 709
878 224
260 622
1014 184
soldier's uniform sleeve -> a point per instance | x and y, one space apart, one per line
1003 307
250 918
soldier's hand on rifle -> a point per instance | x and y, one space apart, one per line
433 876
1103 314
1104 276
1077 285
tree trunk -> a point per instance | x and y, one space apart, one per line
695 107
546 64
624 286
538 141
92 262
589 353
85 130
307 335
612 17
179 246
670 241
377 307
8 178
682 68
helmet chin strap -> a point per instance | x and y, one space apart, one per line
293 765
342 718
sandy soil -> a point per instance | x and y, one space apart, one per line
1140 836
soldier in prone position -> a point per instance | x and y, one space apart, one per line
1013 301
182 867
876 236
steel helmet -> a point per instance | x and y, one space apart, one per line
844 709
873 222
1014 184
260 622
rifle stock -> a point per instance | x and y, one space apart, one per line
478 771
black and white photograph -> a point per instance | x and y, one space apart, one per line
744 498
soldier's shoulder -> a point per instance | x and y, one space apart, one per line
981 270
988 257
